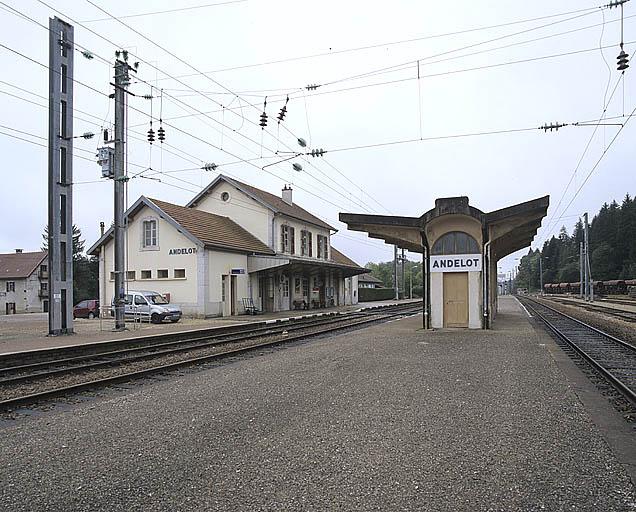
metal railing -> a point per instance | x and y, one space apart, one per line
135 320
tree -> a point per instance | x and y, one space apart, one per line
78 243
85 268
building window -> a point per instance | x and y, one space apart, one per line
130 275
179 273
306 243
112 276
149 233
162 273
286 287
222 288
44 287
287 239
297 286
455 242
225 196
10 286
146 274
323 247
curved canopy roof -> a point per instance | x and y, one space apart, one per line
508 229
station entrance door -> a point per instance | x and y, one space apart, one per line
455 299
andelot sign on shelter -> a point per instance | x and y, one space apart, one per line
456 263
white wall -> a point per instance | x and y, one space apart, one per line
299 226
183 291
221 264
242 209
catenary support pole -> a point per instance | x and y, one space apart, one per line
586 259
540 274
60 164
402 259
119 178
581 283
395 272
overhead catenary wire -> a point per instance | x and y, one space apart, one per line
155 67
393 43
454 50
549 224
172 54
169 11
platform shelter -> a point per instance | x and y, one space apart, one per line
460 247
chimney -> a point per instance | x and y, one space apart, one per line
18 251
101 228
287 194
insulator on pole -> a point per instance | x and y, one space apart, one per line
263 122
622 61
317 152
210 167
283 111
161 134
151 135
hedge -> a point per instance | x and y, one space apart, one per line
371 294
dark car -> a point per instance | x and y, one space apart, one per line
86 309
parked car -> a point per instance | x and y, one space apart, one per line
149 305
86 309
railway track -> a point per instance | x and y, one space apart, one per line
30 378
628 316
613 358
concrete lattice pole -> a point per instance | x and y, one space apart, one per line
119 178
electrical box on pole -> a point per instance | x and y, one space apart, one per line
106 159
60 170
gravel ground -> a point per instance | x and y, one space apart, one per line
44 383
386 418
29 331
623 330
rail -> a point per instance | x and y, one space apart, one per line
80 371
612 357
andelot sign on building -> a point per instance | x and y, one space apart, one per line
456 263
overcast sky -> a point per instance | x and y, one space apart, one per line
494 171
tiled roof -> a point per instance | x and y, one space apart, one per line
341 259
20 265
213 230
368 278
277 203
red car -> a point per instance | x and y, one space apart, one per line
86 309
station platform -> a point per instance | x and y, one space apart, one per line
29 331
385 418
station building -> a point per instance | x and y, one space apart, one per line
460 247
231 242
24 280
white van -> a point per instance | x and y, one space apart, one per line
149 305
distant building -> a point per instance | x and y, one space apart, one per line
24 281
231 242
369 281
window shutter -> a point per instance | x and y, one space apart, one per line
282 238
292 240
310 237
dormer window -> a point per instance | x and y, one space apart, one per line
149 240
225 196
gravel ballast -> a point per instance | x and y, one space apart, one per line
385 418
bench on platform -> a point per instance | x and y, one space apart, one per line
249 307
